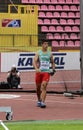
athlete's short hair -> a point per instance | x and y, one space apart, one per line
44 40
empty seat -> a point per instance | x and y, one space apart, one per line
66 7
55 43
44 7
44 29
56 14
65 36
73 8
77 21
63 21
70 43
49 36
53 1
59 29
64 14
68 1
61 1
76 1
49 14
39 1
41 14
54 21
78 14
31 1
46 21
46 1
67 28
77 43
70 21
51 7
73 36
71 15
58 7
24 1
52 28
57 36
75 29
62 43
40 21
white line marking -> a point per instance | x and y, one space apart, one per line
3 125
51 101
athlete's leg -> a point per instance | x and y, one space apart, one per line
38 91
38 88
43 89
44 84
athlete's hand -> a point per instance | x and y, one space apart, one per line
52 72
38 70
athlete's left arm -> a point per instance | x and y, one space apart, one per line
52 62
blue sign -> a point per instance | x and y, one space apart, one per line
25 61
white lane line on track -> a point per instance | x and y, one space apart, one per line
51 101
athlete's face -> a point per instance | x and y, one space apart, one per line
45 45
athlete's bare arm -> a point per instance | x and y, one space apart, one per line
35 62
52 62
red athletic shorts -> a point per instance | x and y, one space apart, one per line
42 76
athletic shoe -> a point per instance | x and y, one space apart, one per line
43 105
39 104
19 87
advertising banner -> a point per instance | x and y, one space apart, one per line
24 60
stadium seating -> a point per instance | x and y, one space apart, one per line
73 36
49 36
39 1
51 7
44 29
55 43
77 43
56 14
40 21
57 36
31 1
76 1
61 1
47 21
59 20
58 7
49 14
54 21
52 29
67 28
54 1
63 21
70 22
70 44
64 15
73 8
68 1
62 43
66 7
44 7
47 1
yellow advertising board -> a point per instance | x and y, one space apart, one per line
19 28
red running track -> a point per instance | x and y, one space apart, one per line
58 107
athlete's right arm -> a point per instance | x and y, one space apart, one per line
35 62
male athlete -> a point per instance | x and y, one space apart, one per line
41 63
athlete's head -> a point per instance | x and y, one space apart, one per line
45 44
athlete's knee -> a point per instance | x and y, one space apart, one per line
44 85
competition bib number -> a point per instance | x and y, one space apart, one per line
44 65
